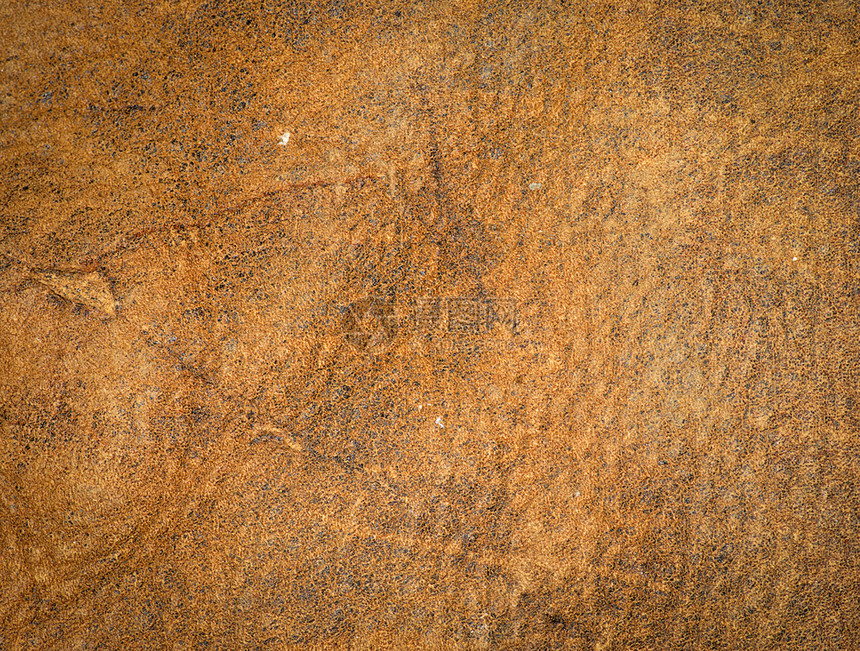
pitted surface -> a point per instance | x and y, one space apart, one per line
538 331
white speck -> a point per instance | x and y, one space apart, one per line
439 421
284 139
535 186
794 258
577 494
420 407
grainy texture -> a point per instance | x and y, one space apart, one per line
242 407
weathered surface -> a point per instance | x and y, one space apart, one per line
539 331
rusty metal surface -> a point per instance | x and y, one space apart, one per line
429 325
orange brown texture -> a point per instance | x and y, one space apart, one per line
241 407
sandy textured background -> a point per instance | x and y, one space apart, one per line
240 407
